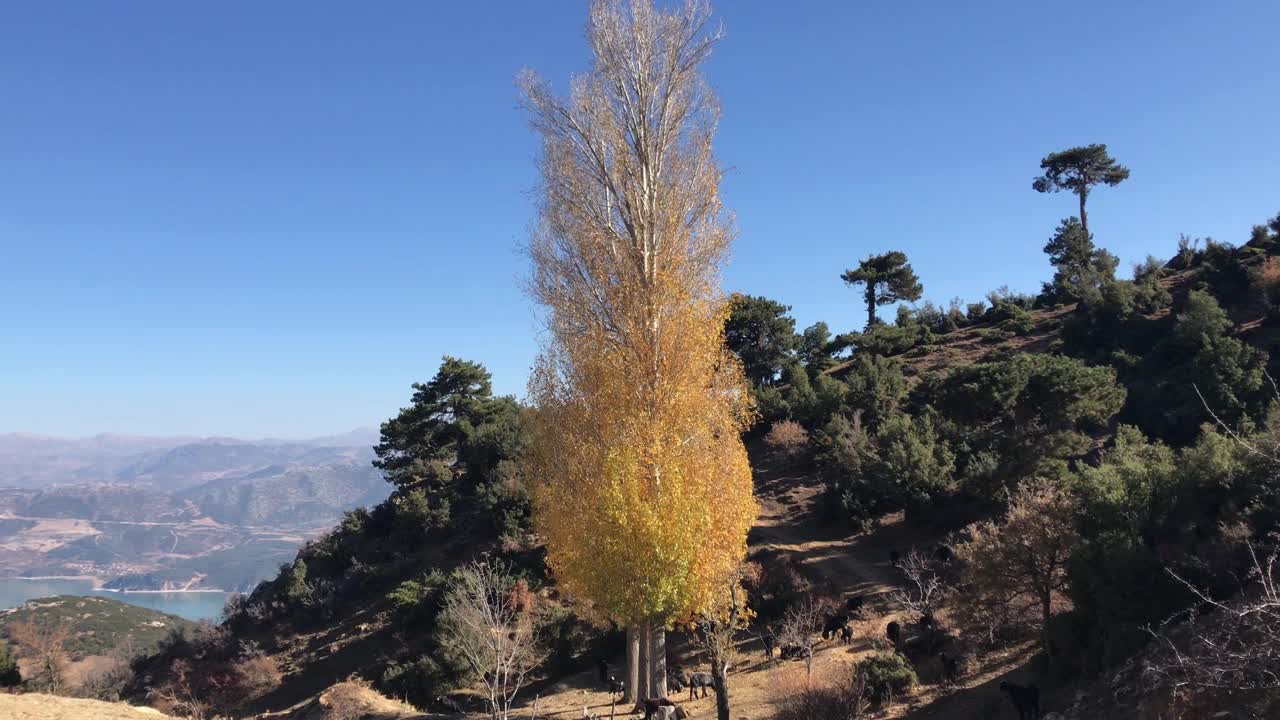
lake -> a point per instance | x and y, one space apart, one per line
193 606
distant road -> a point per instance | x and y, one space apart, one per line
211 524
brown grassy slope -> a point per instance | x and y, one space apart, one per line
34 706
968 345
350 700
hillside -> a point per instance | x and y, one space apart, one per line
288 496
983 339
96 625
938 421
37 706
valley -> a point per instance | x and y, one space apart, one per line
177 515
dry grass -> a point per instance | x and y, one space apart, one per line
356 700
34 706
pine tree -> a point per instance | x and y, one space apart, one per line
887 278
762 335
1078 169
1081 267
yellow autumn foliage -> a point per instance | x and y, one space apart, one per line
640 483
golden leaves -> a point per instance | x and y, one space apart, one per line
641 485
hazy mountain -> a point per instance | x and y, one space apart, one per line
107 503
29 460
156 513
198 463
289 496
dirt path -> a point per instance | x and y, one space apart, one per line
791 521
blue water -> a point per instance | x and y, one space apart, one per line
193 606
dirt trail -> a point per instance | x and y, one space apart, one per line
791 522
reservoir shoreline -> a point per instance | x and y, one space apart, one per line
202 604
99 582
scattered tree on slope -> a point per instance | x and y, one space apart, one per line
886 279
1018 566
762 335
1078 169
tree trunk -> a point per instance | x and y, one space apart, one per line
1047 608
630 690
642 682
1084 219
720 679
657 661
871 304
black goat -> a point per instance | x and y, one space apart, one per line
602 667
928 623
791 651
846 635
833 625
769 642
675 681
950 668
700 681
616 687
854 604
1026 700
893 631
929 631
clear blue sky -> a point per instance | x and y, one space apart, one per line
252 218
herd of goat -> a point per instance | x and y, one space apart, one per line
928 640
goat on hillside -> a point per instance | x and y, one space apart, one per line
1026 700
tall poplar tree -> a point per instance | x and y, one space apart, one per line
639 479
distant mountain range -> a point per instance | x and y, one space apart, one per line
28 460
148 513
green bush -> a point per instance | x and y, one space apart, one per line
567 639
419 597
913 464
892 339
418 681
887 675
876 387
1020 417
1017 320
844 452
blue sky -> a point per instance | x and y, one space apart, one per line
257 219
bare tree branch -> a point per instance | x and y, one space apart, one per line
487 620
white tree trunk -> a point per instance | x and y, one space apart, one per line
657 661
643 691
631 690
